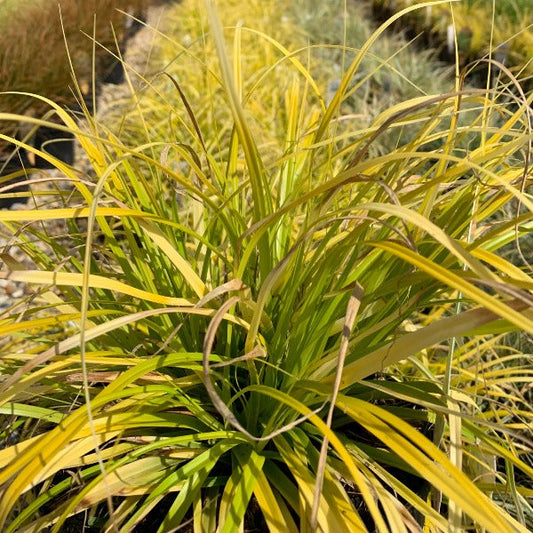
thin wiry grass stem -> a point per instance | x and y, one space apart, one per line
351 314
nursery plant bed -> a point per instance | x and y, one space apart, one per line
505 36
57 143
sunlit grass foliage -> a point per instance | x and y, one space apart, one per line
264 316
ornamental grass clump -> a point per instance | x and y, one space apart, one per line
258 321
34 58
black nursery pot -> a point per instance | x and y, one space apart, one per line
16 166
134 24
59 144
111 68
89 93
112 71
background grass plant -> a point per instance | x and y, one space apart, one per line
501 30
239 234
34 56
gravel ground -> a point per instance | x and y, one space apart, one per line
42 181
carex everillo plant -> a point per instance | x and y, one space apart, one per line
255 320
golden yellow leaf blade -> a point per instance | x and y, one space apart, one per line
447 277
74 279
411 343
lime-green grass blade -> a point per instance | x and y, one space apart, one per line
126 509
71 456
287 55
262 199
444 275
462 168
429 461
70 445
61 307
31 411
205 511
281 482
49 454
253 159
95 488
505 233
46 521
257 230
196 470
171 481
67 171
491 445
57 367
48 322
237 61
10 453
144 367
239 489
134 478
511 271
398 488
142 218
226 441
92 151
190 491
111 393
